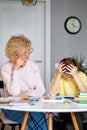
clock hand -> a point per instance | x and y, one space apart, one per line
73 25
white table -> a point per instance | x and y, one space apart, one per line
49 107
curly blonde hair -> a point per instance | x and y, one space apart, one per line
15 45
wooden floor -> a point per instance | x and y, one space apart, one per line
9 128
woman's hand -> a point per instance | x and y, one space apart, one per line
24 94
20 62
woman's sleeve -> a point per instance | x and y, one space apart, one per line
10 80
39 88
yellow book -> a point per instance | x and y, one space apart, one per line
82 96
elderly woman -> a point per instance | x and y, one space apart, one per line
68 81
21 77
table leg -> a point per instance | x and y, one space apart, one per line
74 121
24 121
50 123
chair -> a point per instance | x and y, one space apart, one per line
5 121
84 121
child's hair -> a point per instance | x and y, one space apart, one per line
68 61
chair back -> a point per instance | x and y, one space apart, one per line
1 89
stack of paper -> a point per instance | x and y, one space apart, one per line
9 99
22 102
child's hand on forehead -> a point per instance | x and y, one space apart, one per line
71 69
62 67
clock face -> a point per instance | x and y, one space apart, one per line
72 25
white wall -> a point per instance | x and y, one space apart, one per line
46 28
62 43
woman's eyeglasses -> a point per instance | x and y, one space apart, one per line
26 52
31 50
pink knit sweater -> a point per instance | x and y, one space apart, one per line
27 78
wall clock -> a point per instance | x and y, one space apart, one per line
72 25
